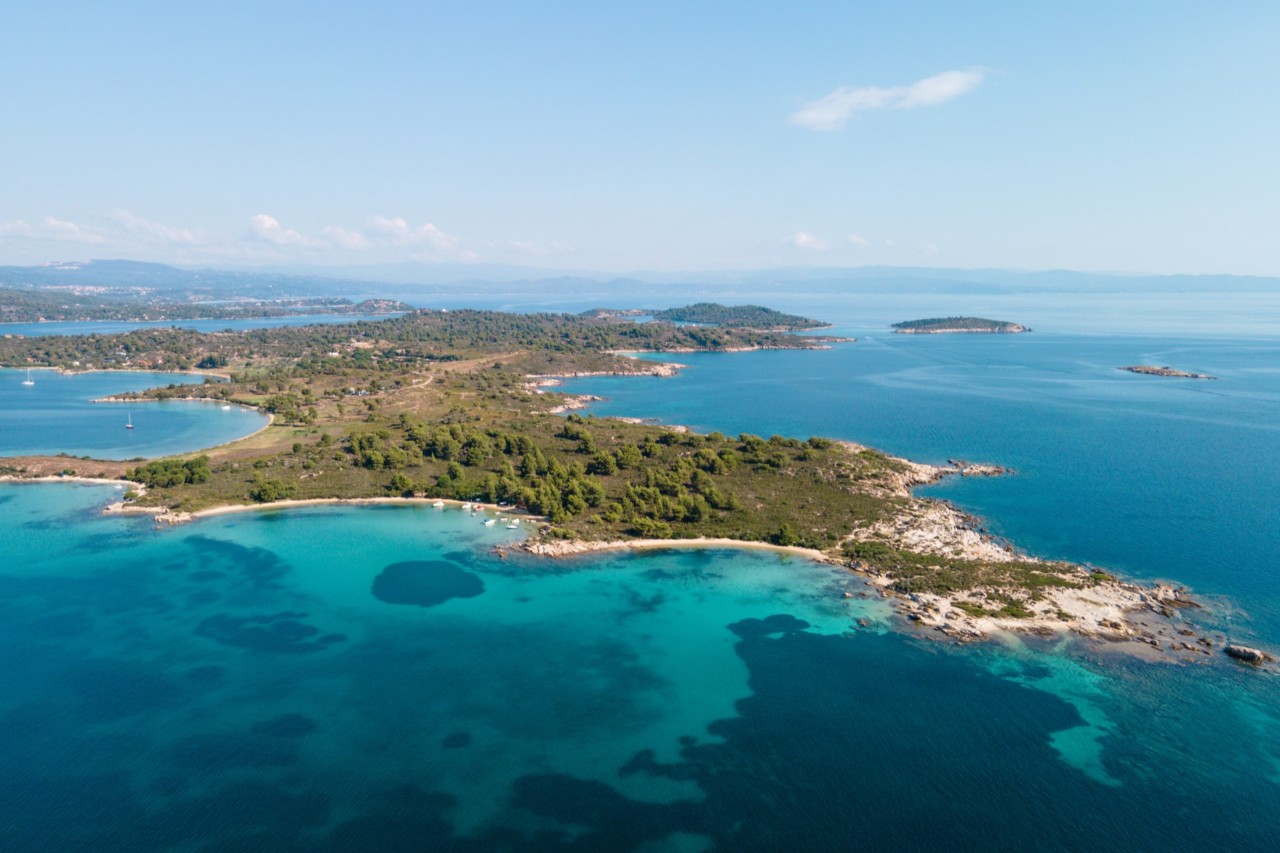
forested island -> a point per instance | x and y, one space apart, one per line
458 405
952 325
1151 370
737 316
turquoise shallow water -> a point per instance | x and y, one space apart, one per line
378 678
58 415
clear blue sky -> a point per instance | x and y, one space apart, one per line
1121 136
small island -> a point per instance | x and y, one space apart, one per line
738 317
1151 370
958 325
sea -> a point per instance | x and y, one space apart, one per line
60 413
392 678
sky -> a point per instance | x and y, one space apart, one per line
1118 136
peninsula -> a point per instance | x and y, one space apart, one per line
957 325
453 405
1150 370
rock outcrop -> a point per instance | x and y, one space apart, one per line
1247 654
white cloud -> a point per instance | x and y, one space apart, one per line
805 240
268 228
398 232
155 231
61 229
344 239
51 228
859 241
831 111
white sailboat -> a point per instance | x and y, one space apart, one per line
28 380
128 423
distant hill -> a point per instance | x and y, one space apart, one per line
531 289
950 325
736 316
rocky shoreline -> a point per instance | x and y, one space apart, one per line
1147 621
1151 370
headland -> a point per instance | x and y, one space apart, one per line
458 406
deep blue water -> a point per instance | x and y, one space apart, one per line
1156 477
376 678
57 415
379 678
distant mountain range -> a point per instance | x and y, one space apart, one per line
453 283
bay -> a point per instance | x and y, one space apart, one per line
57 415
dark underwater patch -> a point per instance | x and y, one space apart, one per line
776 624
258 566
425 583
283 633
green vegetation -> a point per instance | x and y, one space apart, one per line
545 343
934 325
1008 586
167 473
737 316
441 404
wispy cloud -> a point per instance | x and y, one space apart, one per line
153 231
268 228
859 241
805 240
833 110
51 228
